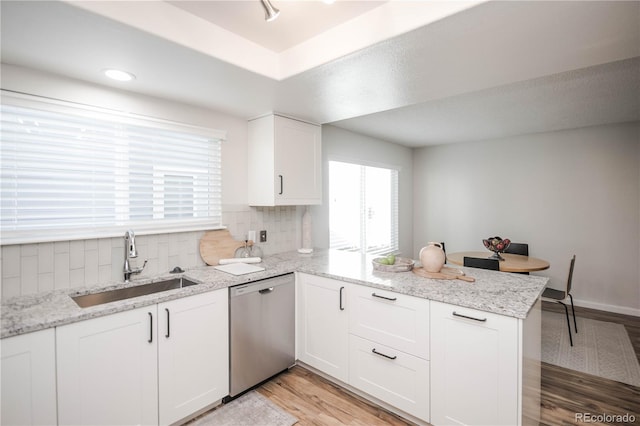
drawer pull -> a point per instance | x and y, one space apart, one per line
384 355
341 306
150 327
393 299
168 326
467 317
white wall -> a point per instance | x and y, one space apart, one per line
564 193
342 145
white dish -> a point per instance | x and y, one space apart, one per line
305 250
239 268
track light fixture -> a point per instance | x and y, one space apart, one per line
270 12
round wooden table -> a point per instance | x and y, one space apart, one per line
511 262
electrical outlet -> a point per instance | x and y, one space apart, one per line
263 236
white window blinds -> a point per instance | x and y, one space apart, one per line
73 170
363 208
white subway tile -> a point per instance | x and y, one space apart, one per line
45 257
76 254
10 287
91 276
45 282
61 247
104 274
29 275
117 263
11 261
29 250
104 252
61 270
76 277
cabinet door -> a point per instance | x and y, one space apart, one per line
474 360
29 379
193 354
323 339
397 378
298 163
395 320
107 370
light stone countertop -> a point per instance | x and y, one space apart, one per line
497 292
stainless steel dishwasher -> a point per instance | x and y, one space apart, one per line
262 331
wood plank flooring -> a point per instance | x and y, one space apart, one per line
316 401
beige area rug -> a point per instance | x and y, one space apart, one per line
251 409
600 348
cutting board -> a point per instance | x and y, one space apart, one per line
239 268
218 244
445 273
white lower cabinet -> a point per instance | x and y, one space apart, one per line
193 355
393 376
393 319
474 367
28 373
374 340
115 369
108 370
322 324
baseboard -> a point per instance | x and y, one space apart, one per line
609 308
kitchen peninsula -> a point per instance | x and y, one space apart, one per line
437 351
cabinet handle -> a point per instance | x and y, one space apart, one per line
265 290
281 185
393 299
384 355
467 317
168 327
150 327
341 290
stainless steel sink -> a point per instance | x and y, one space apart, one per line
88 300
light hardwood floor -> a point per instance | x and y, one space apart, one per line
316 401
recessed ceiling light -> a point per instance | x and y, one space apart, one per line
119 75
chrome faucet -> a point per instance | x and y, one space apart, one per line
130 252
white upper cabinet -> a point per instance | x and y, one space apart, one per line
284 162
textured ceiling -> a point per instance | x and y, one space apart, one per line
495 70
591 96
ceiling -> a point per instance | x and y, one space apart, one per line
298 22
414 73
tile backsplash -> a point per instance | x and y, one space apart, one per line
40 267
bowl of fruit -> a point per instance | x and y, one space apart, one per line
497 245
392 263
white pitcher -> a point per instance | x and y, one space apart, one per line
432 257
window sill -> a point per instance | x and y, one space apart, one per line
46 236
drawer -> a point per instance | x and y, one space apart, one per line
395 377
395 320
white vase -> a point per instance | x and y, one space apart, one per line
307 244
432 257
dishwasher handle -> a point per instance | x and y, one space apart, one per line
266 290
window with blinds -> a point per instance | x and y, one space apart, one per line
363 208
71 170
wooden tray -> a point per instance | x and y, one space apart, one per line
445 273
